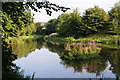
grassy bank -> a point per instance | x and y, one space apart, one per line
115 39
24 37
55 39
31 37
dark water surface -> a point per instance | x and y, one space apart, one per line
43 59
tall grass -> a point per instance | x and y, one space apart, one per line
96 38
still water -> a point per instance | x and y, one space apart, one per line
43 59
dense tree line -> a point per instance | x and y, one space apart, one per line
94 20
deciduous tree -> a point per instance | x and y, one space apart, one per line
95 20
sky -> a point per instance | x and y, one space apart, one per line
82 5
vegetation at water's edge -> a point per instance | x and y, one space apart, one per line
85 48
9 39
107 39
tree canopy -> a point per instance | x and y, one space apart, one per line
69 24
95 19
114 21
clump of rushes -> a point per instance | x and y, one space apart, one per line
81 50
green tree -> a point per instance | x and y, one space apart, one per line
7 28
69 24
15 18
39 28
95 20
50 26
114 21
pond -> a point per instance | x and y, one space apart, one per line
43 59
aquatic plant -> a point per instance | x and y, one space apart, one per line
82 50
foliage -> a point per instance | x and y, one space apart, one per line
69 24
114 20
38 28
82 50
50 26
55 39
7 28
114 40
15 19
49 7
95 20
98 38
109 45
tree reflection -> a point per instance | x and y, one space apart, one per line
22 48
114 60
113 56
92 66
9 70
59 49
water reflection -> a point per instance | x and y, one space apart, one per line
113 56
90 68
23 47
9 70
